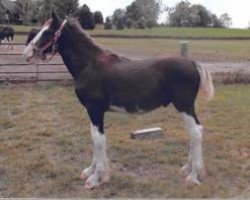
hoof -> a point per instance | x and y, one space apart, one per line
106 178
202 175
191 182
88 186
185 170
83 176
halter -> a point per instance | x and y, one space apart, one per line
52 41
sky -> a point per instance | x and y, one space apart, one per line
238 10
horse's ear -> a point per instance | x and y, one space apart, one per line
56 20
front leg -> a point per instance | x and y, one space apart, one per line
98 172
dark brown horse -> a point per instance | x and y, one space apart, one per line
106 82
7 34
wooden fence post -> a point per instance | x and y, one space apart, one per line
184 49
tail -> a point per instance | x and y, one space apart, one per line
206 83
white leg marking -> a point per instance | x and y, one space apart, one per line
195 159
98 172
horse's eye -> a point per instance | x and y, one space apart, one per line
47 34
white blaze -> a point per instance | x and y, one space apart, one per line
29 50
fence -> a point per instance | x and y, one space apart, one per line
14 68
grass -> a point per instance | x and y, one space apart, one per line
22 28
205 50
165 31
45 143
178 32
218 50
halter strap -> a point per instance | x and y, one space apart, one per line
55 39
59 31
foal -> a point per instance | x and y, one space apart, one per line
107 82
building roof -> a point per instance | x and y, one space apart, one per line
9 5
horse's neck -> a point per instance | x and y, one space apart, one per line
77 54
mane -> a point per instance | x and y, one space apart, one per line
81 35
48 22
104 56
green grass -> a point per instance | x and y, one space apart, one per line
179 32
21 28
217 50
45 142
166 32
205 50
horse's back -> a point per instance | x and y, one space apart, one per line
172 69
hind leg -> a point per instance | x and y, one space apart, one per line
194 169
11 41
7 43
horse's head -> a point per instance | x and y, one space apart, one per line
45 40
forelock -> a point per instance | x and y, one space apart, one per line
48 23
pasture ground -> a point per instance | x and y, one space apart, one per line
45 142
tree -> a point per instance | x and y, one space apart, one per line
150 9
119 14
45 9
225 20
128 22
142 13
98 17
150 24
169 11
180 15
62 8
29 8
134 12
141 24
199 16
215 22
65 8
188 15
108 24
120 24
86 18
